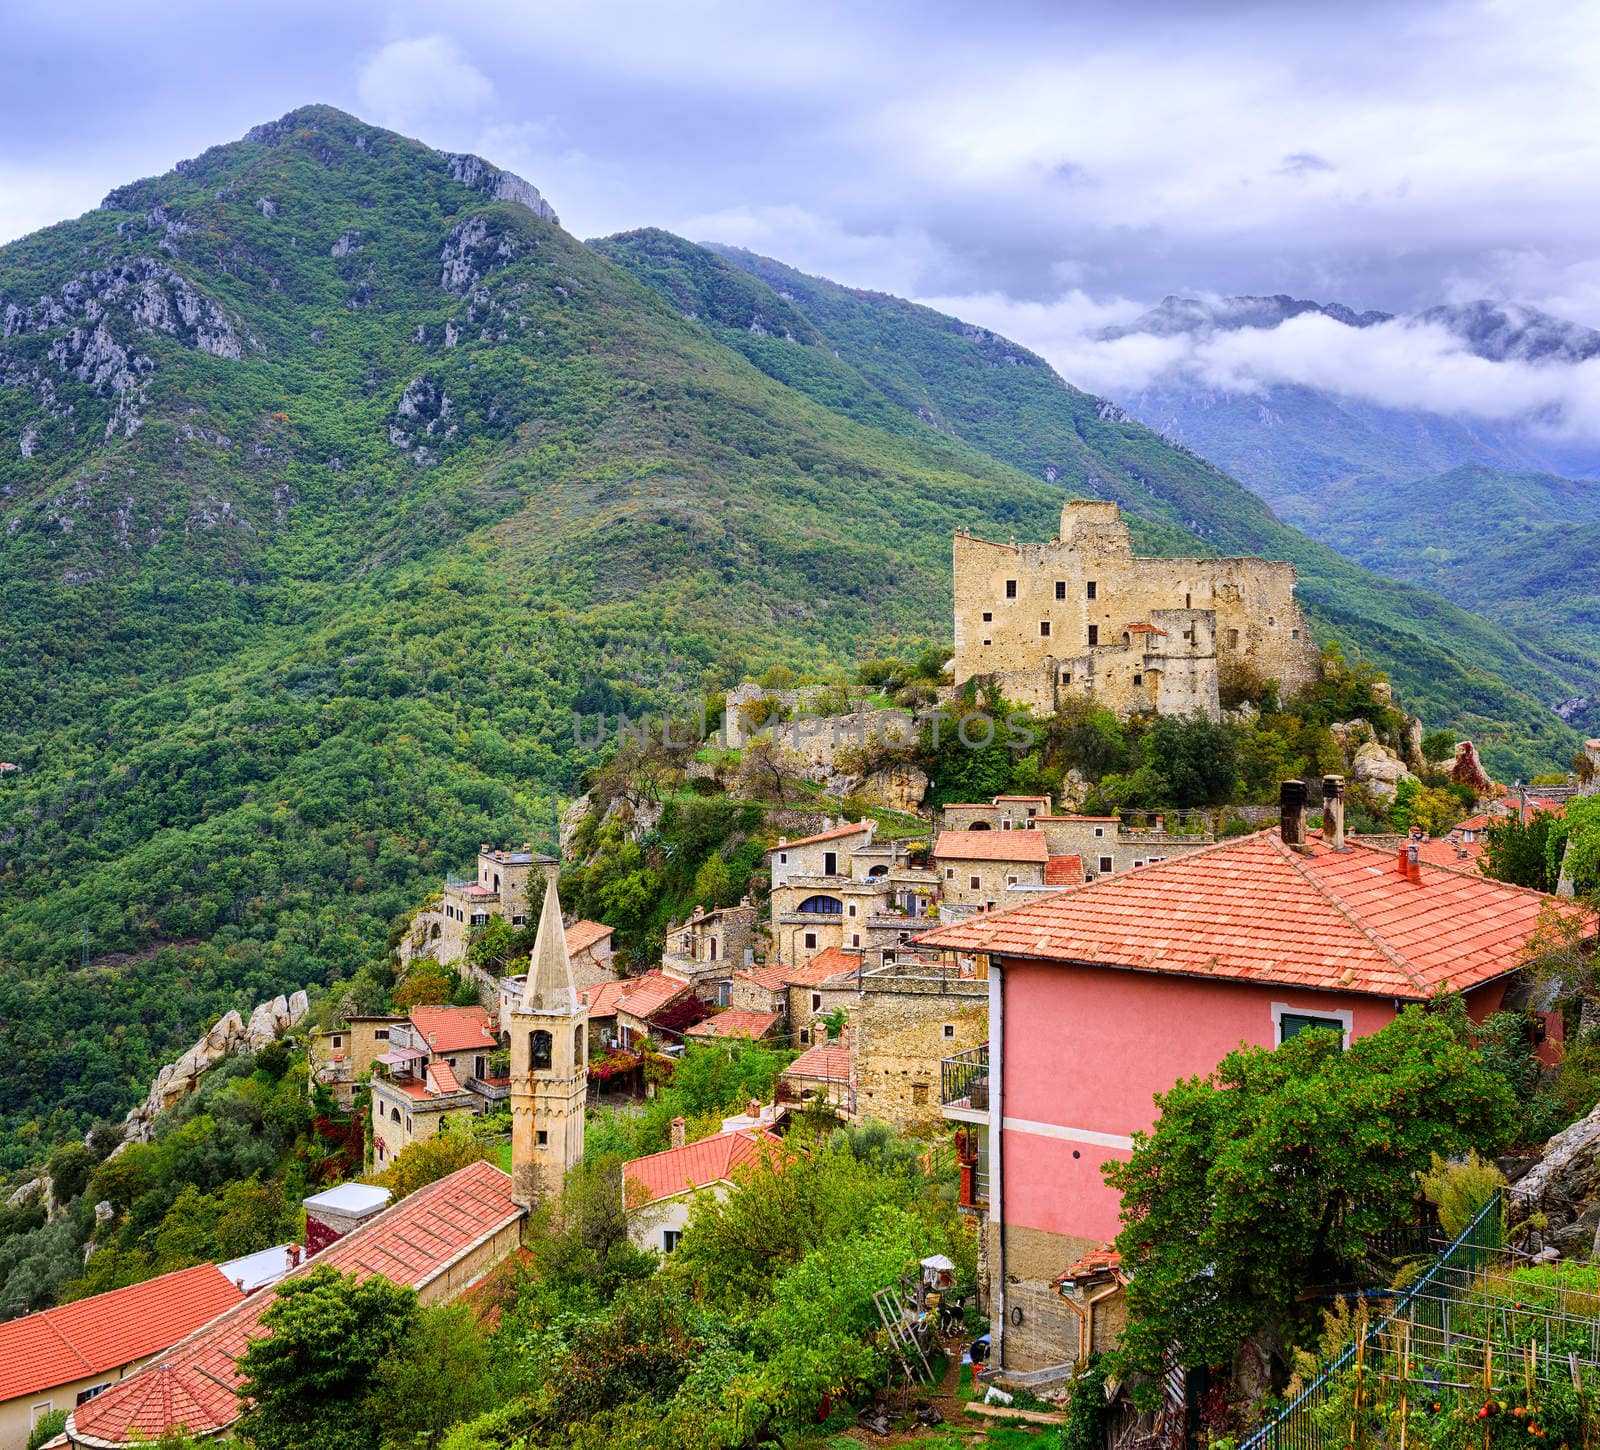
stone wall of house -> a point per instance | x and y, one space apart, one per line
807 1005
467 1270
956 877
1024 615
1048 1333
900 1040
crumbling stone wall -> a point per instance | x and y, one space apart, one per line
1059 620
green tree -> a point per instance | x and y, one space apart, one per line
435 1376
1196 756
427 984
309 1381
1268 1176
429 1159
713 882
1520 852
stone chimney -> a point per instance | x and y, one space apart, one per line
752 1108
1292 813
680 1132
1333 811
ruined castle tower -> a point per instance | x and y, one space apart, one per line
549 1066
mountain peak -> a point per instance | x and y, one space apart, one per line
1176 315
330 135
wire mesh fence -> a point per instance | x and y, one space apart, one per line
1478 1313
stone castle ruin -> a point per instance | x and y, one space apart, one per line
1082 617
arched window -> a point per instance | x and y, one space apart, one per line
437 930
979 826
395 1114
577 1047
539 1050
823 906
877 871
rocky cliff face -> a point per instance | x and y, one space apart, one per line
228 1036
1564 1187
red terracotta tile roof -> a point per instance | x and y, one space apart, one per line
694 1166
1144 629
823 967
1000 798
649 994
1254 910
453 1029
774 976
826 1062
602 1000
1098 820
991 846
735 1022
834 834
1452 851
582 935
1063 871
195 1385
442 1078
970 806
1473 823
1103 1260
106 1331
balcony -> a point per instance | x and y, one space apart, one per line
493 1089
964 1086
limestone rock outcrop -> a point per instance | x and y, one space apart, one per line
1564 1186
1378 770
229 1035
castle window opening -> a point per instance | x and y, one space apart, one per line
1233 639
1094 635
542 1137
1061 588
1091 588
1294 634
1066 677
1138 679
577 1047
1044 629
1188 601
988 617
1011 588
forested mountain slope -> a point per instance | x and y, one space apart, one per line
1005 401
334 475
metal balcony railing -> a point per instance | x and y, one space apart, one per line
964 1080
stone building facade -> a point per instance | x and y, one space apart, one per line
707 949
912 1014
1082 617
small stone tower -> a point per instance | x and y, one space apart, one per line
549 1064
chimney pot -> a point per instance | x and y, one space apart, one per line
1333 811
680 1132
1292 813
1413 863
752 1108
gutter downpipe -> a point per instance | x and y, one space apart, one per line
997 1177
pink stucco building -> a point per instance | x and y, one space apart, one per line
1105 994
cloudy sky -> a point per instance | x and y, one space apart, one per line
1044 167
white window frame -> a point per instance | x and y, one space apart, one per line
1282 1009
670 1238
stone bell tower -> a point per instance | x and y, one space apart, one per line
549 1064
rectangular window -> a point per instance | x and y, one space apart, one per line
919 1094
805 1036
1292 1024
1233 639
949 1029
1044 629
408 1122
1091 589
975 882
1061 588
40 1410
811 940
1094 635
669 1239
338 1041
852 908
988 618
542 1138
1138 679
855 938
1294 634
783 858
381 1035
1105 865
1099 830
1011 588
816 1001
84 1396
830 863
1005 825
1066 677
519 921
949 873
